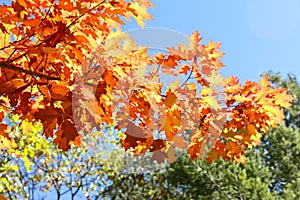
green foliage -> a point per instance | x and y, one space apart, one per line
280 149
222 179
33 165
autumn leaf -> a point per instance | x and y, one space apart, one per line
264 82
170 99
160 156
59 90
13 85
48 118
196 38
170 62
66 134
49 50
179 142
157 145
2 197
184 69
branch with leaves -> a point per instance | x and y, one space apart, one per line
50 49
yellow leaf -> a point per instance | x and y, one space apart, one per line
212 46
275 111
211 101
283 99
239 137
57 104
241 159
191 86
141 14
5 143
264 83
242 98
256 138
205 91
141 71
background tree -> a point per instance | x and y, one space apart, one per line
280 149
32 167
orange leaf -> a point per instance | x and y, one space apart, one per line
264 82
49 50
45 91
170 99
196 37
59 90
251 129
78 54
159 58
2 197
32 22
179 142
77 141
81 39
12 85
184 69
170 62
22 3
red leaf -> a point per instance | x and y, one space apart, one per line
48 118
170 62
66 134
157 145
3 129
17 8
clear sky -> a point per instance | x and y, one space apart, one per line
256 35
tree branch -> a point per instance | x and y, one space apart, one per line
9 66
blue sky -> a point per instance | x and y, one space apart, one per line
256 35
